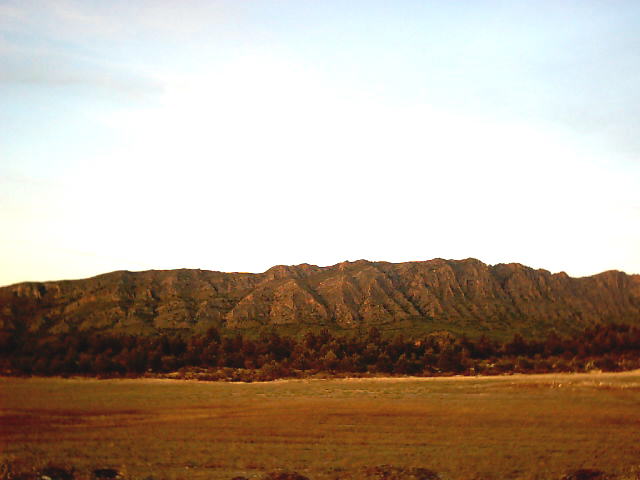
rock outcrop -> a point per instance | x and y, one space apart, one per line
466 294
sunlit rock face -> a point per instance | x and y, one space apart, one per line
466 295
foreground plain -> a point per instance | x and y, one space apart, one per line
529 427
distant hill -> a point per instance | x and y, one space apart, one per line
460 296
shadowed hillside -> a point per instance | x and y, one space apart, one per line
462 296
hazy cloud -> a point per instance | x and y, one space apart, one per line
47 47
53 71
93 19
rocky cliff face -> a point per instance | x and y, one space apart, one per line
466 294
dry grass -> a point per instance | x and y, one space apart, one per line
529 427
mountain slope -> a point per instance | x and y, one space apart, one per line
456 295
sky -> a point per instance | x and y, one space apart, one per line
237 135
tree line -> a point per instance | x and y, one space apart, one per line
215 356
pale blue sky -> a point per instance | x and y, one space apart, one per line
235 135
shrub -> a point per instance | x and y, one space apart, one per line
585 474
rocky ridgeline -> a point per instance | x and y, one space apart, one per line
464 293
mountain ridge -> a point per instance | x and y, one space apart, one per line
463 296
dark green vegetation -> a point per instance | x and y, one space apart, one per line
529 427
210 356
413 298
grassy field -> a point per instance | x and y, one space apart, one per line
515 427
